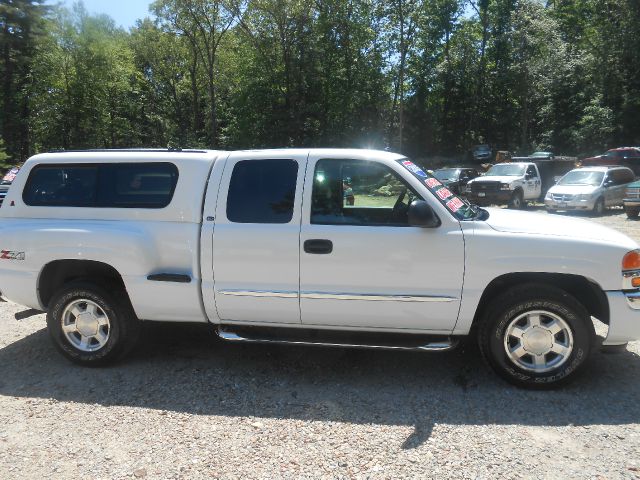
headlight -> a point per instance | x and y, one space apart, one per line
547 196
505 186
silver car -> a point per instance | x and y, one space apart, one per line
589 189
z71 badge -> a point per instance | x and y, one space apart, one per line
9 255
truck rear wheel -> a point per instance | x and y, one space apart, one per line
517 201
536 336
90 326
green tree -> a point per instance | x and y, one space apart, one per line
84 92
21 26
4 156
204 23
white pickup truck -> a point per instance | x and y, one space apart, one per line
507 183
322 246
516 183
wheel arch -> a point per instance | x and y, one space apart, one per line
57 273
586 291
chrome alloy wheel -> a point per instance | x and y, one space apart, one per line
85 325
538 341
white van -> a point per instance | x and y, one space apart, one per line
589 189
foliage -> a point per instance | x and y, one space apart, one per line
421 77
4 157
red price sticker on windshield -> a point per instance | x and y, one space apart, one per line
444 193
454 204
432 183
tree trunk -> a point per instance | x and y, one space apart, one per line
213 112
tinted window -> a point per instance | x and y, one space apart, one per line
531 170
137 185
113 185
358 192
621 177
61 185
262 191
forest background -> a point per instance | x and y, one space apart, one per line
425 78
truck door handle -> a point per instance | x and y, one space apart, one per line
318 247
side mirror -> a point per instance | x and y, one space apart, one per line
422 215
528 176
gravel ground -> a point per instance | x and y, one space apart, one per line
187 406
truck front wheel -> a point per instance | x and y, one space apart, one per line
91 326
598 207
536 336
632 212
517 200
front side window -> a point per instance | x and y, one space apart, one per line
262 191
629 176
105 185
359 192
620 177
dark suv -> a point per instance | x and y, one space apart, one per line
456 178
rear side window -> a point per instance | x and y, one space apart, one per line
137 185
112 185
61 186
262 191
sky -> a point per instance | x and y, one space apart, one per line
124 12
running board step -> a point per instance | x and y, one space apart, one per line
337 338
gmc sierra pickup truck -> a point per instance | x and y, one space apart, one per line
323 246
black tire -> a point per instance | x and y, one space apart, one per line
598 207
516 302
517 200
551 210
123 328
632 212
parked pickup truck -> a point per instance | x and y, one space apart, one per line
542 155
516 183
265 247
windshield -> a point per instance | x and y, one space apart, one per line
582 177
614 154
541 154
460 208
507 170
446 174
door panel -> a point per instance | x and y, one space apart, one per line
256 253
377 276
